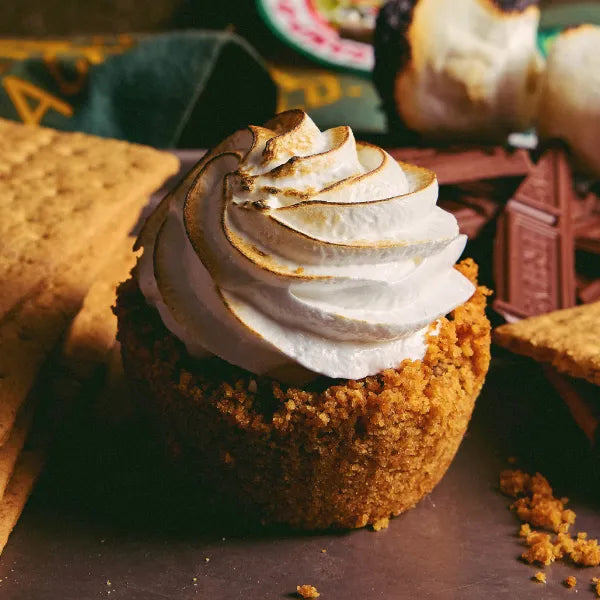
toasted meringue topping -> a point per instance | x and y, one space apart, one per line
289 247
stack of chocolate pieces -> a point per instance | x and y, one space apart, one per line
67 205
545 257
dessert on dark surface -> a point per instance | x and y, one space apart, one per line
286 326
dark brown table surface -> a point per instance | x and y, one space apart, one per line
108 509
110 518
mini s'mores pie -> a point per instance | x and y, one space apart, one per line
570 100
467 69
287 325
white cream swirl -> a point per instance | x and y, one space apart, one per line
289 251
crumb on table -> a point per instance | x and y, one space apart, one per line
307 591
540 577
570 581
381 524
525 530
536 505
541 549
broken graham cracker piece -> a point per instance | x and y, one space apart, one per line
568 339
56 190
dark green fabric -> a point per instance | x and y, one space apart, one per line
181 89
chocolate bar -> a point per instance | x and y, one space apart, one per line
465 165
534 247
546 220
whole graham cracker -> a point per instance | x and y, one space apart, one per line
58 189
88 344
568 339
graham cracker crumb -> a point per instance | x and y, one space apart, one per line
525 530
511 460
381 524
565 338
540 577
597 588
570 581
540 549
536 505
307 591
585 552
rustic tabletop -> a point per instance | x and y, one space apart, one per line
109 518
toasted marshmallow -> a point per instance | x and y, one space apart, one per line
472 71
289 251
570 102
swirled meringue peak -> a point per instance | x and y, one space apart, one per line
291 252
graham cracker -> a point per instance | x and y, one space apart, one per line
88 343
93 330
19 487
10 450
579 405
34 329
56 190
114 403
568 339
66 199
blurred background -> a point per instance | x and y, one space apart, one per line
69 17
144 72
